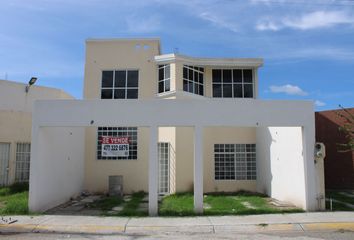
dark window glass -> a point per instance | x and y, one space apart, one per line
201 90
161 87
201 78
237 75
227 90
196 88
106 94
190 87
161 73
216 90
185 73
226 76
216 76
107 79
185 85
167 71
201 69
247 75
132 93
120 77
190 74
167 85
238 90
119 93
196 76
248 88
133 77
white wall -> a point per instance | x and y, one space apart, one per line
13 96
57 167
280 164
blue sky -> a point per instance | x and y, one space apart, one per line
307 46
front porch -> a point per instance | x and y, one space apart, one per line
58 150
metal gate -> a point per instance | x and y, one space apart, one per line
164 167
4 163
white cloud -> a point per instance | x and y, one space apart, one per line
218 21
288 89
319 103
313 20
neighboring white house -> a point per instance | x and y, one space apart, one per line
15 127
171 123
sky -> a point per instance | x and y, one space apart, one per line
307 46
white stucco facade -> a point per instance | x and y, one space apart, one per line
191 104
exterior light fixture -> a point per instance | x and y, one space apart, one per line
30 83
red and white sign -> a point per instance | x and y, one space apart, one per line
114 140
115 146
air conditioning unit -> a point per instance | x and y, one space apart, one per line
320 150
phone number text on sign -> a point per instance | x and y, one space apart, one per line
115 146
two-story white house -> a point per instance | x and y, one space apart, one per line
171 123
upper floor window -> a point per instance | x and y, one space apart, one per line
164 78
193 79
233 83
120 84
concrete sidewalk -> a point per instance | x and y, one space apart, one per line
303 222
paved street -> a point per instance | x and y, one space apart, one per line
320 225
342 235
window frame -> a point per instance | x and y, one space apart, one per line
233 82
25 160
164 80
194 69
113 88
116 128
250 171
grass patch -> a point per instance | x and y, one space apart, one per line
223 204
339 196
106 204
131 207
179 204
14 199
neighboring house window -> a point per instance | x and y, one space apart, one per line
118 132
232 83
235 161
120 84
23 153
164 78
193 79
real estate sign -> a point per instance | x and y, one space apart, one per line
115 146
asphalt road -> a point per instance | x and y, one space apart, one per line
345 235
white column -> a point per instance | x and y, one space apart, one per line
153 172
308 143
198 169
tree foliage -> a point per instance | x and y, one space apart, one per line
347 128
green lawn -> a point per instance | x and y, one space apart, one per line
336 206
130 208
14 199
219 204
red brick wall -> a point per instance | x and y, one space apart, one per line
339 166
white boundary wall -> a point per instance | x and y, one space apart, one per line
280 164
57 168
177 113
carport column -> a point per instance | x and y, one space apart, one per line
198 169
153 172
308 143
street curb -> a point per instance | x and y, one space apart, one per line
117 229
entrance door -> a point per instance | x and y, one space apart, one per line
4 162
164 167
